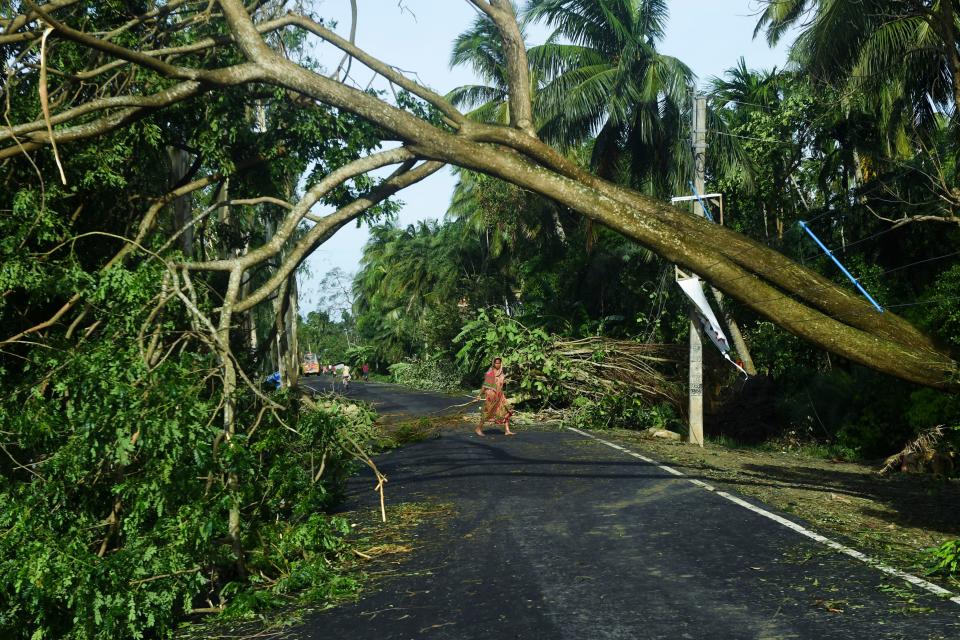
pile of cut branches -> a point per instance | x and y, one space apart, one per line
930 451
555 370
595 367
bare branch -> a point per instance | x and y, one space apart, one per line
905 220
194 47
385 70
45 102
69 304
298 212
226 76
164 98
232 75
347 58
216 207
332 223
17 22
117 51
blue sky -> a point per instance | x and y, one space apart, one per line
416 35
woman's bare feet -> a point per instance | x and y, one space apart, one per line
478 431
507 432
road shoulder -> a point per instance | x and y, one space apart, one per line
893 519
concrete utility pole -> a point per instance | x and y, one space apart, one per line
695 408
699 183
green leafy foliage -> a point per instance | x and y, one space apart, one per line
114 512
525 354
325 337
944 315
427 374
945 559
623 411
117 473
609 383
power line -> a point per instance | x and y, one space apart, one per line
832 284
946 255
825 213
921 302
853 280
847 245
742 137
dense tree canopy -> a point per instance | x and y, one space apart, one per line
162 162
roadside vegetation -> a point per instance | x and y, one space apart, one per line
149 260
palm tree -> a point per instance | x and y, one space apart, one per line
744 89
608 87
404 274
898 58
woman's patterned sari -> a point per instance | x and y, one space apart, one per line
495 405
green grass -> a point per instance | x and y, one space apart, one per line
813 449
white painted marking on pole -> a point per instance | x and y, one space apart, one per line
793 526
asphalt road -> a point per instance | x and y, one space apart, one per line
392 401
558 536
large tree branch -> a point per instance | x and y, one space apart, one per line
329 182
745 270
518 68
698 254
225 76
245 32
806 285
382 68
440 145
232 75
329 225
676 236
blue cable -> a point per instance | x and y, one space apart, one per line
703 205
842 268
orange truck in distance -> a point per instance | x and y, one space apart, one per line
310 366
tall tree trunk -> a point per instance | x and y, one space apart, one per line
280 324
292 331
230 413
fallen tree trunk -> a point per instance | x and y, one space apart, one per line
793 297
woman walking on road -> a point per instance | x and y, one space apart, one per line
496 407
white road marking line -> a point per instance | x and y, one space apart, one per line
793 526
701 483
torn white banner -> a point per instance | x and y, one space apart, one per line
693 287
